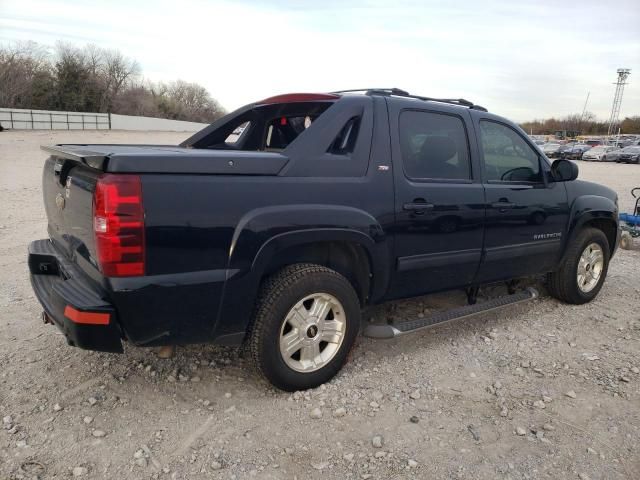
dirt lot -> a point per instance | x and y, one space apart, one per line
539 390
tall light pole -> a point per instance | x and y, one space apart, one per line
623 74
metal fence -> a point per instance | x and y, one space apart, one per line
44 120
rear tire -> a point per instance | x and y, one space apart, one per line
305 323
584 270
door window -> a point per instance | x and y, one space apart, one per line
507 157
434 146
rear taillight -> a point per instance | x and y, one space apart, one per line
118 224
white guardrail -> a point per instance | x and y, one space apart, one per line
21 119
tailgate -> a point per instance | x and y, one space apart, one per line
68 183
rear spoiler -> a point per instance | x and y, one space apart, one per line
89 158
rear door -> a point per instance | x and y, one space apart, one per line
527 215
439 199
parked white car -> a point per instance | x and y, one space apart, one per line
596 154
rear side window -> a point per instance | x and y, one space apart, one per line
507 157
434 146
345 141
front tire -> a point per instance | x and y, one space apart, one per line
305 322
584 270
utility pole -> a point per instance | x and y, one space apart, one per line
623 74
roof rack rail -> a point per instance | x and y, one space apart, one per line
398 92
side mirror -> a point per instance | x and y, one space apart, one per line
564 171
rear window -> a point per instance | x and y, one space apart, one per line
269 127
282 131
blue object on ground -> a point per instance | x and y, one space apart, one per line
630 219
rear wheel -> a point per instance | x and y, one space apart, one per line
305 322
581 276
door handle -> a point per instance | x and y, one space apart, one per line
418 206
502 206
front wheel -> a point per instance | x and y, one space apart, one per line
584 270
306 320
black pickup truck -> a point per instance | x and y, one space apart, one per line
274 226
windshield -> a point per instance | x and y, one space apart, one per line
598 149
631 149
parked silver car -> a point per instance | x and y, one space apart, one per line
598 153
616 155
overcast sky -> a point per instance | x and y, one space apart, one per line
521 59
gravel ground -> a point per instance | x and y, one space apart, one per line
538 390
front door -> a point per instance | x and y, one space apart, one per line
527 215
439 201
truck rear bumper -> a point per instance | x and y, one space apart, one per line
70 302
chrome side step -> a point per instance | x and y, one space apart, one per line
401 328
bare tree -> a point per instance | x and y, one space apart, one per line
117 70
96 80
630 124
193 101
137 99
21 66
94 58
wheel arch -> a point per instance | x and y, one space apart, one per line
361 254
350 253
596 212
609 227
